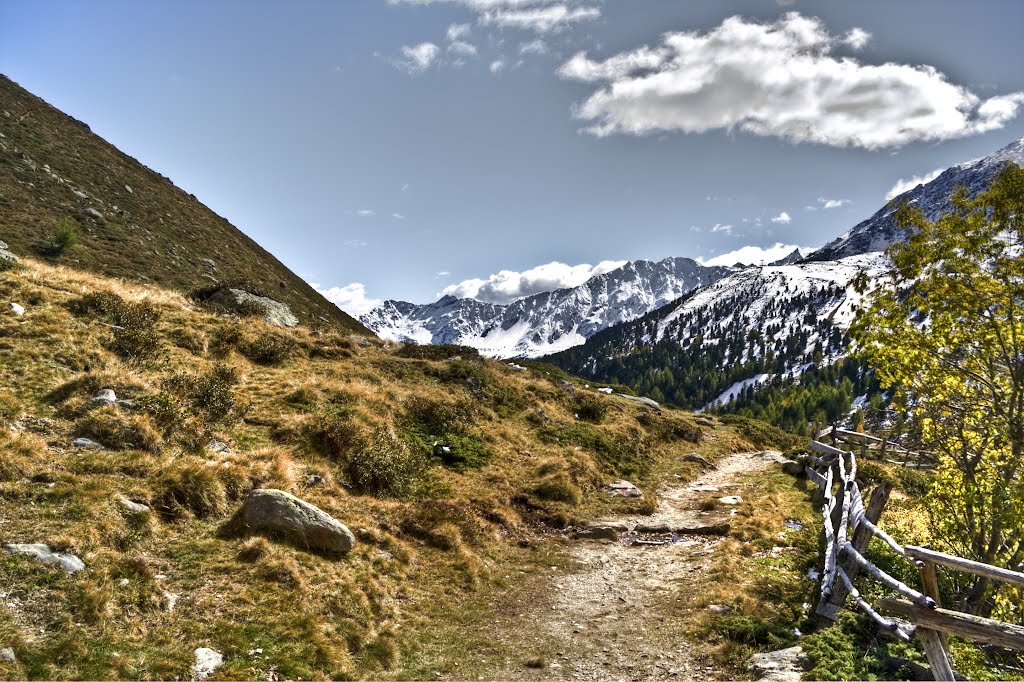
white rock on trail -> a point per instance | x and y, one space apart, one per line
207 660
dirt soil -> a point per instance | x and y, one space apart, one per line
612 617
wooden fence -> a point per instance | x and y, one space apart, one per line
850 525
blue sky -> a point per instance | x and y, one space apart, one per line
401 149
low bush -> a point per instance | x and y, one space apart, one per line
119 430
558 488
385 467
135 336
590 407
63 239
10 408
197 488
762 434
268 348
441 351
209 395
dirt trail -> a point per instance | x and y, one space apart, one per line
603 617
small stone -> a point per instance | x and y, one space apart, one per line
730 499
696 457
315 480
17 309
207 660
104 396
128 189
94 214
715 529
66 561
605 390
219 447
653 528
134 507
170 601
597 533
87 444
7 655
624 489
719 608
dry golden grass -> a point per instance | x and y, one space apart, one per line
523 464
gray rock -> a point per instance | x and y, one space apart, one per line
87 443
94 214
7 655
128 404
714 529
17 309
597 533
620 526
730 499
785 665
314 480
279 512
793 468
641 400
623 489
6 256
66 561
129 189
207 660
218 446
237 300
695 457
653 528
134 507
104 396
719 608
209 261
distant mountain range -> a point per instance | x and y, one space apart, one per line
548 322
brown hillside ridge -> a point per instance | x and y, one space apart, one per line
132 222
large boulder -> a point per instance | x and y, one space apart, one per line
278 512
239 301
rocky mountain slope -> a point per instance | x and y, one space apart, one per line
933 198
548 322
132 222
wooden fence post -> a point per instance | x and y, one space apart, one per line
828 610
936 644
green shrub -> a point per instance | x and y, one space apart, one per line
590 407
193 487
558 488
334 434
119 430
385 467
441 351
63 239
209 395
163 410
135 336
762 434
268 348
462 451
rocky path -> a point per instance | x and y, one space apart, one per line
608 619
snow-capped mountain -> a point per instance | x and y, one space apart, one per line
880 230
548 322
750 327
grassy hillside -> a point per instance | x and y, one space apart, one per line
346 423
132 222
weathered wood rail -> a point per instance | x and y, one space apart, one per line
849 527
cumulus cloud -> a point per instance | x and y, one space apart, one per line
856 38
719 227
398 216
902 185
351 298
365 212
778 79
783 218
418 58
537 46
507 285
832 203
462 48
546 19
457 32
497 65
753 255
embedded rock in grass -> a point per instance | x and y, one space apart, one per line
623 489
640 399
87 443
7 655
793 468
653 528
237 300
597 533
103 397
66 561
94 214
784 665
218 446
207 660
730 499
696 457
6 256
276 511
716 529
17 309
134 507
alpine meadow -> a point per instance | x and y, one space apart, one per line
511 340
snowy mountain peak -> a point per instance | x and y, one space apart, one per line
547 322
880 230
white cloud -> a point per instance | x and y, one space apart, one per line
778 79
507 285
783 218
546 19
856 38
902 185
719 227
832 203
398 216
497 65
537 46
418 58
753 255
356 243
351 298
365 212
463 48
457 32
